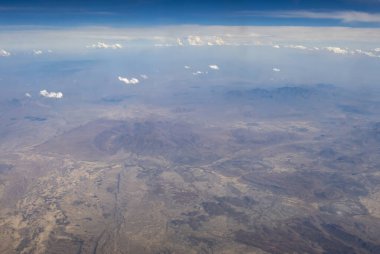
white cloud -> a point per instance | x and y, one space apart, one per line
55 95
342 16
37 52
219 41
102 45
348 16
214 67
28 95
195 40
179 42
337 50
3 52
163 45
132 81
187 67
41 38
297 47
198 73
144 76
276 69
366 53
209 40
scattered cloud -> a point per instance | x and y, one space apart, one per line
214 67
209 40
301 47
102 45
3 52
179 42
28 95
37 52
366 53
296 47
337 50
191 35
163 45
344 40
219 41
132 81
143 76
198 73
195 40
276 69
54 95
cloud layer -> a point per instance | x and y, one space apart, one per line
337 40
342 16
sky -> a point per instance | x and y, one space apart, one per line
358 13
257 42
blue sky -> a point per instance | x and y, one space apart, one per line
355 13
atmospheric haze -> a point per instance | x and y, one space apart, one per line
207 127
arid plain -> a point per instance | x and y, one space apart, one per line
279 170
